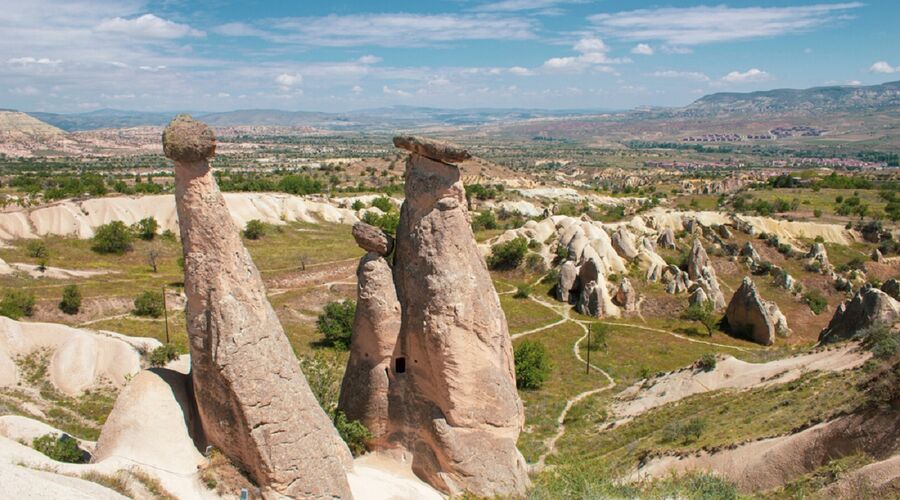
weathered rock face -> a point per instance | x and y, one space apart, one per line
868 307
453 400
817 254
698 296
700 269
697 260
626 296
676 280
254 403
364 390
892 288
623 242
568 275
666 239
877 256
750 253
436 150
784 280
372 239
594 299
750 317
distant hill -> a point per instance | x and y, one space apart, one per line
103 118
14 124
843 98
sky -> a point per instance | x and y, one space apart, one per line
219 55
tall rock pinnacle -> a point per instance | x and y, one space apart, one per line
460 415
254 402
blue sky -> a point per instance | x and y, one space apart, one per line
216 55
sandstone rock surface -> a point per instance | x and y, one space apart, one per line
568 275
751 317
626 296
892 288
254 403
623 242
457 409
869 306
666 239
372 239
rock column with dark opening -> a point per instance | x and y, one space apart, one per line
253 401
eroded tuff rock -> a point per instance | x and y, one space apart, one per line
568 275
454 404
254 403
594 299
364 390
752 318
666 239
892 288
700 269
626 296
372 239
784 280
623 243
817 254
870 306
750 253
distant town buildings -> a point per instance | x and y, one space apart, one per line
775 133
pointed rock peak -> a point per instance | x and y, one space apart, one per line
436 150
188 140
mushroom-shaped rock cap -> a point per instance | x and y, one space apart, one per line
372 239
436 150
188 140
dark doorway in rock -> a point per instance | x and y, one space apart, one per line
400 365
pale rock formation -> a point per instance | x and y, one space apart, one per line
372 239
751 317
892 288
453 398
666 239
623 243
870 306
254 403
784 280
568 275
698 296
876 255
750 253
626 296
676 280
648 244
364 390
594 299
700 269
651 263
818 254
724 232
697 260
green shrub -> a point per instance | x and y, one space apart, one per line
163 354
522 292
17 303
682 432
149 304
71 300
146 228
484 220
815 300
508 255
707 362
62 448
336 323
881 340
703 314
817 213
353 432
37 250
383 203
254 229
358 205
599 337
532 365
388 222
535 263
114 238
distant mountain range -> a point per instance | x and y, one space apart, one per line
817 100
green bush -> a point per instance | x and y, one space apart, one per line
358 205
707 362
146 228
353 432
71 300
815 300
383 203
532 365
149 304
388 222
37 250
17 303
163 354
522 292
336 323
703 314
114 238
62 448
881 340
254 229
484 220
508 255
599 337
682 432
535 263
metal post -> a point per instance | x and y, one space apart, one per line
587 367
165 313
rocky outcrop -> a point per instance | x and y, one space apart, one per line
453 399
784 280
364 390
870 306
877 256
254 403
818 257
750 254
568 275
700 269
623 242
666 239
892 288
676 280
752 318
594 299
698 296
626 296
697 260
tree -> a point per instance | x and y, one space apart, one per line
114 238
149 304
532 365
17 303
336 323
508 255
599 337
707 362
163 354
153 258
37 250
63 448
254 229
702 313
146 228
71 300
383 203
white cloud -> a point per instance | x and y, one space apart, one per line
883 67
705 24
288 81
395 92
147 26
695 76
27 90
152 69
854 83
356 89
521 5
520 71
369 59
239 29
642 49
27 61
593 54
676 49
752 75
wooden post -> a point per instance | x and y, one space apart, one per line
587 366
165 313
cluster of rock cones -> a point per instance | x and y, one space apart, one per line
431 369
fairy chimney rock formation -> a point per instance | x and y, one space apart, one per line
253 401
364 390
454 404
870 306
752 318
568 275
666 239
623 243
